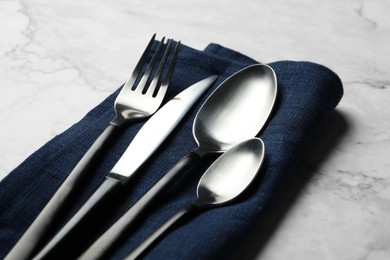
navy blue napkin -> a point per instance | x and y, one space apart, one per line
307 95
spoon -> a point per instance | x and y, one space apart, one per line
235 111
226 178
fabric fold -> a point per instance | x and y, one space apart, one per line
307 94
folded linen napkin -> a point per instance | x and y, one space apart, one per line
307 94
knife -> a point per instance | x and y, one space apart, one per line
144 144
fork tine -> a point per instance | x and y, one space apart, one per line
163 88
160 68
137 70
141 85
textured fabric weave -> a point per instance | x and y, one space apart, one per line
307 94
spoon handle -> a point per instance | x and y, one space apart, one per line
162 231
126 223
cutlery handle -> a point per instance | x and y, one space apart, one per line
121 227
39 230
161 231
108 188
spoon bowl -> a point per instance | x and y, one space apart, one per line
231 174
236 110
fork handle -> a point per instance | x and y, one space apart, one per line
103 244
105 191
39 230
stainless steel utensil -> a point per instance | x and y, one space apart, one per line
147 140
224 180
235 111
131 104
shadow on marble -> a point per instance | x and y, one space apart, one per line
334 130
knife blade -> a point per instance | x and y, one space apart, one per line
165 120
144 144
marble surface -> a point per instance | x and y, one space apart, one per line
58 59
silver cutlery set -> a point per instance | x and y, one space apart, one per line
226 124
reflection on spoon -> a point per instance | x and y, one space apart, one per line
226 178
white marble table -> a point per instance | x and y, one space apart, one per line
58 59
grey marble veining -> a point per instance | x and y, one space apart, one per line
59 59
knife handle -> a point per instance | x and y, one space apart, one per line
39 230
122 227
105 191
162 231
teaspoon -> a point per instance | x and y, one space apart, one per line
224 180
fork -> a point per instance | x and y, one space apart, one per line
134 102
